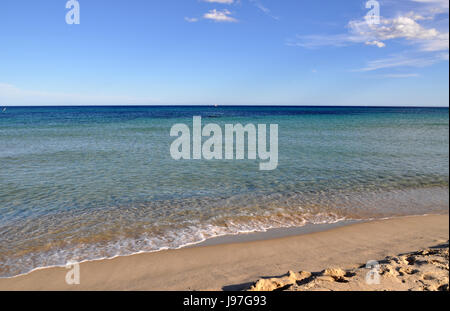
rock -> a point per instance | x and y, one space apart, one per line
334 272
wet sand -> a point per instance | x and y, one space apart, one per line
236 266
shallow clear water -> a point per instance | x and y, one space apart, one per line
84 183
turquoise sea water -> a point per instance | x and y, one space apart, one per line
80 183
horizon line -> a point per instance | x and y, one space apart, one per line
218 106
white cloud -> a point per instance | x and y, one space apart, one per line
377 43
219 16
225 15
402 27
407 28
399 27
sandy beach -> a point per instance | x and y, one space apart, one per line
237 266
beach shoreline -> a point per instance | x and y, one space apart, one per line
236 266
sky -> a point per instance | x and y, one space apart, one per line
224 52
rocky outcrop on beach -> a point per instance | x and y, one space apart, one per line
423 270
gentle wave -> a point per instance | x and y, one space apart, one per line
174 240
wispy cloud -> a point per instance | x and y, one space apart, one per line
402 60
317 41
435 6
401 75
11 95
191 19
264 9
219 1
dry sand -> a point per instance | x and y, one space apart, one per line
424 270
237 266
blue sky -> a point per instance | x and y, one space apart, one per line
266 52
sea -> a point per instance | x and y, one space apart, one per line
86 183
